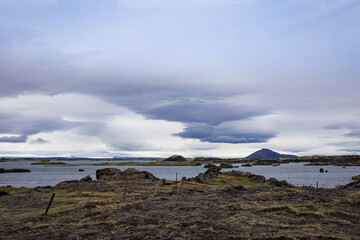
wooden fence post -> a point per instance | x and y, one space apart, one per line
51 199
176 182
125 189
157 185
182 183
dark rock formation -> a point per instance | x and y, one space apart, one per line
352 185
175 158
207 159
15 170
226 165
208 176
81 170
278 183
213 166
3 193
86 179
321 170
128 174
252 177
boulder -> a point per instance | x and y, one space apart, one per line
86 179
258 178
275 182
321 170
226 165
213 167
128 174
206 177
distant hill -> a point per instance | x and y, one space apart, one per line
175 158
268 154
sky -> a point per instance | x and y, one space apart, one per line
104 78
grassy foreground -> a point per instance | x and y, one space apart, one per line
231 207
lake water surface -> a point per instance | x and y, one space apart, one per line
294 173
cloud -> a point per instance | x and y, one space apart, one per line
204 121
235 132
27 3
208 112
38 141
343 125
14 139
166 4
351 150
196 131
295 150
32 114
352 128
29 125
180 70
239 138
353 133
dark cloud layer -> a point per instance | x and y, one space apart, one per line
207 133
32 125
14 139
204 117
27 125
210 112
352 128
188 103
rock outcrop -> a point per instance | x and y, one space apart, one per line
128 174
208 176
352 185
15 170
213 167
278 183
226 165
86 179
252 177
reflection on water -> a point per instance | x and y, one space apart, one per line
294 173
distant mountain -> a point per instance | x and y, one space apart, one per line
175 158
268 154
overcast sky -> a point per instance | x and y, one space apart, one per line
103 78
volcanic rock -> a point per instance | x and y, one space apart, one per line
130 173
15 170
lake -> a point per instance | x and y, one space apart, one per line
294 173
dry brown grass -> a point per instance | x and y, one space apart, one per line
199 211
